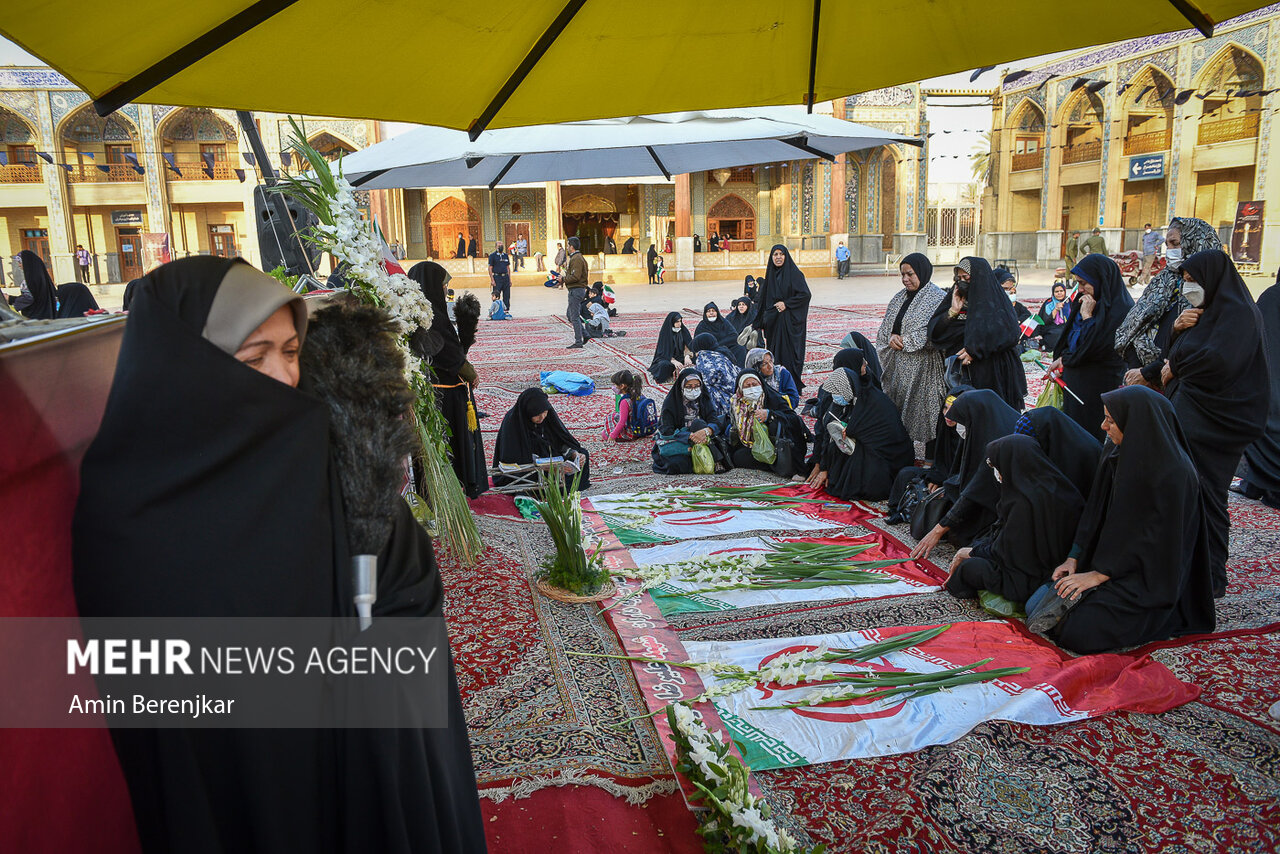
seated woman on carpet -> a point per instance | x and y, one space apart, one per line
719 373
688 418
726 334
1139 569
753 403
532 430
742 314
980 417
674 351
251 516
776 376
1036 517
860 444
1068 445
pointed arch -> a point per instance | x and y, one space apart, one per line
331 144
442 224
733 217
1231 86
1147 111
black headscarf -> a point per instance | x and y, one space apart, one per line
449 359
1263 456
652 256
1153 551
720 327
991 324
1112 305
751 289
520 440
740 321
986 418
705 342
1038 509
923 269
629 246
38 283
129 291
785 332
74 299
1069 446
671 345
673 406
858 341
1220 364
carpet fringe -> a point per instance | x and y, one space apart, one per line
635 795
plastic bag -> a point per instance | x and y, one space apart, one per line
994 603
1051 396
703 462
568 382
762 448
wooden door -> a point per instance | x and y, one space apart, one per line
129 245
1066 228
37 240
513 231
222 241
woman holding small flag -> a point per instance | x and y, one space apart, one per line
1086 355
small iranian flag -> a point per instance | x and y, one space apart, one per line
388 259
1030 325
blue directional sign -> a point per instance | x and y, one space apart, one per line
1146 168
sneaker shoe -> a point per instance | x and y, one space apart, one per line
577 345
620 333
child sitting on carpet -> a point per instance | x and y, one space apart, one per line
634 416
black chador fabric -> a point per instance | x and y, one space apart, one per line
462 247
881 445
520 440
453 393
671 345
751 289
675 413
988 331
74 299
629 246
1144 528
1262 458
725 333
651 258
129 290
1037 513
36 277
784 331
739 320
1221 387
1092 366
858 341
985 418
165 525
1068 445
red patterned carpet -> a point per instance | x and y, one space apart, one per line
559 774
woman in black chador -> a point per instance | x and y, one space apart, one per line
784 312
455 378
1139 567
1068 445
674 350
726 334
1086 349
1260 469
1036 517
859 443
221 485
976 324
532 429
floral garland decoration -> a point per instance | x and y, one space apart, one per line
738 820
344 233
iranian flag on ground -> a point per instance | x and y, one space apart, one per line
1057 689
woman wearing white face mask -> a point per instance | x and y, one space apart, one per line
754 402
688 418
1143 338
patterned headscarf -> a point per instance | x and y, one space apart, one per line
839 384
1165 291
752 362
964 265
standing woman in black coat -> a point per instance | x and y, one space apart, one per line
1260 469
976 323
1219 384
784 312
651 258
455 378
1086 352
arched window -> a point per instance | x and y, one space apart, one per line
1232 83
1028 137
99 149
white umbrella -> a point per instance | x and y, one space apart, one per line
666 145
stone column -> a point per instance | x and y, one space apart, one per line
683 244
1111 179
1049 236
149 157
555 221
60 224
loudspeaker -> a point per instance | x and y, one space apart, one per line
278 241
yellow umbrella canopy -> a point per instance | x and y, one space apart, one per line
506 63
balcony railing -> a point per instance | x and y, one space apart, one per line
86 173
1082 153
193 170
1030 160
20 173
1244 127
1146 143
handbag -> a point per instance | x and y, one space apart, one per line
673 444
703 461
928 513
762 448
749 337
